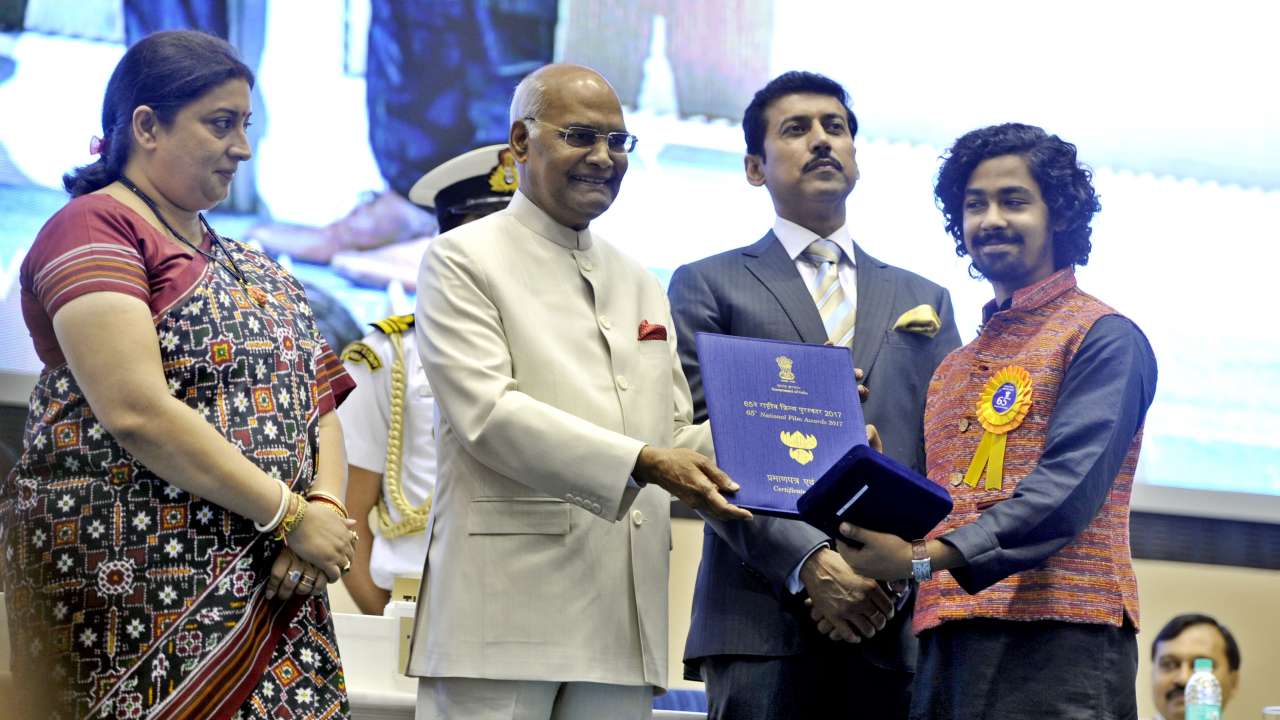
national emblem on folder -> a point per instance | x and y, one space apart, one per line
784 368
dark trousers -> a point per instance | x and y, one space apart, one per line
1002 669
828 682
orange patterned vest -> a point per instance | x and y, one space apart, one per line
1090 580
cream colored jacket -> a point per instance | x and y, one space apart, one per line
545 562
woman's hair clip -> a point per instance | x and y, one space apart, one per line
96 145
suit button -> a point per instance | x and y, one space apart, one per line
637 518
595 508
622 383
604 322
956 478
964 424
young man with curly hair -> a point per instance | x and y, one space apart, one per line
1028 604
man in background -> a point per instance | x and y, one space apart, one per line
761 652
1174 651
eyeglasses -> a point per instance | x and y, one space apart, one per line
581 137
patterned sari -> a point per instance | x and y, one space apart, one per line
129 597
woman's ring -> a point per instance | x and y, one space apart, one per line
309 579
293 576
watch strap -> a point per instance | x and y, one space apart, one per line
921 565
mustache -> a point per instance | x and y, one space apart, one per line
823 158
991 237
1176 691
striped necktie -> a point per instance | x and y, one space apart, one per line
836 310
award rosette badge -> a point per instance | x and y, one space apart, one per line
1002 406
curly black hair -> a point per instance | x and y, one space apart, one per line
789 83
1065 184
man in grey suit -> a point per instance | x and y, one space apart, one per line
762 653
564 429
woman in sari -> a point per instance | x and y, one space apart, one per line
176 512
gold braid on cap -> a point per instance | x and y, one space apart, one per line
412 519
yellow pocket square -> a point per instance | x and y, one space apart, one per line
921 319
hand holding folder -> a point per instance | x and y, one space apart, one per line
692 478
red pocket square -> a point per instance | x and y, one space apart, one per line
652 331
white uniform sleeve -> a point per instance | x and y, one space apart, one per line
366 414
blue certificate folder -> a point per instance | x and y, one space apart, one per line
788 427
782 414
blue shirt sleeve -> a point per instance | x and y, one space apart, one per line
1102 403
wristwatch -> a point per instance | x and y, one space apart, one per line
921 565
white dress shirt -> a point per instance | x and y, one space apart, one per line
796 238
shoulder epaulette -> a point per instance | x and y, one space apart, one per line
395 324
358 352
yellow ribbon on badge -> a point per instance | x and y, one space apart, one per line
1001 408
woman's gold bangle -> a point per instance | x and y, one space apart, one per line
332 500
297 510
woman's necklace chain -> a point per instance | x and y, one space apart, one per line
257 294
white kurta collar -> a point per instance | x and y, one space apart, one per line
540 223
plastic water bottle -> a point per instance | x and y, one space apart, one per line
1203 694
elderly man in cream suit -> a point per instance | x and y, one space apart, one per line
561 397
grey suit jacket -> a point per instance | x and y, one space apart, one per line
741 604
